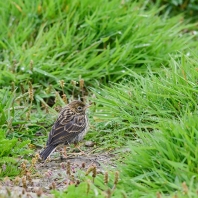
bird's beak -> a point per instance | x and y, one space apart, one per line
87 107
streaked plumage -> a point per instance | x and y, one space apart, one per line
70 127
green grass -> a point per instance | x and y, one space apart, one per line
145 101
68 39
164 159
10 153
158 115
139 69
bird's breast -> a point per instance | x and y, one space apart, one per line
83 133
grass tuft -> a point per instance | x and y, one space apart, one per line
157 114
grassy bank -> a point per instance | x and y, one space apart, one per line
158 115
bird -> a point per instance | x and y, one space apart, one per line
70 127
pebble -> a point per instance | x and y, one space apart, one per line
89 143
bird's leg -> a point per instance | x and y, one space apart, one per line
64 152
77 146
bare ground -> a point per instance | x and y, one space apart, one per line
55 174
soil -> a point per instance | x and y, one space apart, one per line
57 173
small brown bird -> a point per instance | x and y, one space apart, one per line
70 127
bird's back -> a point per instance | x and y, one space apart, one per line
68 128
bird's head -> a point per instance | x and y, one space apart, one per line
78 107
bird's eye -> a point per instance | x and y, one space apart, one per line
79 108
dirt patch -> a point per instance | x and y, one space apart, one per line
56 174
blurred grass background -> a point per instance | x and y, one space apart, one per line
137 61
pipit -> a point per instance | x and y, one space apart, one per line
70 127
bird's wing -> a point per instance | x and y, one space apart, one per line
64 117
66 128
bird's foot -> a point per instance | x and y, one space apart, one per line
77 147
79 153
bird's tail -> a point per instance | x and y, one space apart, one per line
47 151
